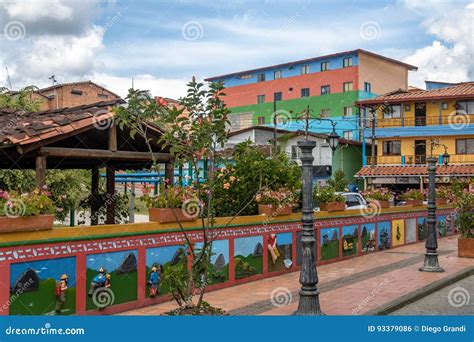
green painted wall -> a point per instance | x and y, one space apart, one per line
352 162
335 102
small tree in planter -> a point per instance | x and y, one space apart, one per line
444 195
412 197
380 195
276 202
464 202
26 212
328 199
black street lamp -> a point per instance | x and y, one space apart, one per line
309 295
333 139
431 263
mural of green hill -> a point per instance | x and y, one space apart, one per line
248 266
42 301
124 287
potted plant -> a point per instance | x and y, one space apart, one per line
328 199
275 202
465 222
26 212
443 195
172 204
381 195
412 197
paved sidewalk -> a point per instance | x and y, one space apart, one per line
352 286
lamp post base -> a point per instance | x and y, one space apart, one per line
431 263
309 305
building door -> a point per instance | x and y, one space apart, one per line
420 151
420 114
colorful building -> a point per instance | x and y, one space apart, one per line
330 85
411 125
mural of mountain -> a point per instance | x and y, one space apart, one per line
219 264
177 257
258 251
129 264
29 276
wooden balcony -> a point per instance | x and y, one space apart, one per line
460 119
419 159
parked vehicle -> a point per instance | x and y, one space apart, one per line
354 201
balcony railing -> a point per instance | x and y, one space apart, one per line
419 159
460 119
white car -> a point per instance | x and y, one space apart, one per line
354 200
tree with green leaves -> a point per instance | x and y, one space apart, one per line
22 100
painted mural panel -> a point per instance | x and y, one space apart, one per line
279 251
410 230
219 265
441 219
43 287
111 278
329 242
384 235
350 240
422 228
160 260
248 256
398 232
367 237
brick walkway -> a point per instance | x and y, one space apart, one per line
352 286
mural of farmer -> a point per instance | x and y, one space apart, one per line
273 248
60 292
153 281
100 280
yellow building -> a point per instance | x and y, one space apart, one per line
411 125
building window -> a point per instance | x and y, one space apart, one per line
103 96
261 120
277 96
277 74
367 87
348 86
393 112
465 107
444 105
347 111
294 152
304 92
464 146
324 66
348 135
347 62
76 92
325 89
392 148
245 77
407 108
260 99
325 113
261 77
305 69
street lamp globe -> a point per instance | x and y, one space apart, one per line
333 140
445 158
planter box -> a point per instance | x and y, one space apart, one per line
441 201
26 223
466 247
271 210
166 215
332 206
382 204
414 202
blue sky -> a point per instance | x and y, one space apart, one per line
110 261
161 44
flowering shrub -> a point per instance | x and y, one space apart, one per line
412 194
444 192
326 194
170 197
380 194
277 198
34 203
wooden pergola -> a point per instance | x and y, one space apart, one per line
83 137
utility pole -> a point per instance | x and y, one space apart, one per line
372 149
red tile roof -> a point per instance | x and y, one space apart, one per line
458 91
411 170
22 128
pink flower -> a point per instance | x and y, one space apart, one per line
226 186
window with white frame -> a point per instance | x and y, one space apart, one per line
465 107
348 111
348 135
393 112
277 74
305 69
325 113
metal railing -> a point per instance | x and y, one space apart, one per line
419 159
426 121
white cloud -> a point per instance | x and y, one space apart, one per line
31 11
449 57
